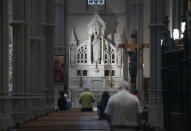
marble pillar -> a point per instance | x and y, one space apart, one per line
21 107
5 104
155 111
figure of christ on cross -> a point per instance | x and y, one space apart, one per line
134 46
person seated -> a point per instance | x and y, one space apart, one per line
86 100
102 104
61 101
68 104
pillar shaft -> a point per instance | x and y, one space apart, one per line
5 117
36 42
21 67
59 37
46 50
158 11
42 56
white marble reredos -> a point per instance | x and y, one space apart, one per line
95 55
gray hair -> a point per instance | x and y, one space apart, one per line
125 84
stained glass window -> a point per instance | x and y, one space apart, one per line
96 2
96 5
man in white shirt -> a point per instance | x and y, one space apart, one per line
123 109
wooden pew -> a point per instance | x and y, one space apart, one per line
70 120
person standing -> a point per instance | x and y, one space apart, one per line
123 109
86 100
102 104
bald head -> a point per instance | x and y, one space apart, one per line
124 85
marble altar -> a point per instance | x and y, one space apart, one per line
96 63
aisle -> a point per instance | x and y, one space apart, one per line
71 120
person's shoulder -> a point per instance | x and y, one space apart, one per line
113 97
86 93
90 93
82 94
133 97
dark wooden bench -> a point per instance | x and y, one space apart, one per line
70 120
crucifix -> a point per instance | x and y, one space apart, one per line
135 48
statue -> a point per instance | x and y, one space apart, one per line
96 49
119 55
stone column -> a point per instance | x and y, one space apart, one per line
21 109
36 43
46 50
43 51
59 27
155 111
59 43
5 108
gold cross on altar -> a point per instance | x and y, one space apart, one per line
134 45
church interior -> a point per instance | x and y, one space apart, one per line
48 46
